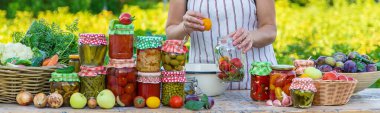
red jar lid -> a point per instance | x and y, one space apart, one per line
93 39
149 79
92 71
149 74
174 46
173 76
120 63
305 84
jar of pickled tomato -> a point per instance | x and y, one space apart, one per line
280 80
121 40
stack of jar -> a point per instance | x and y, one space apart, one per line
173 76
121 71
92 50
148 65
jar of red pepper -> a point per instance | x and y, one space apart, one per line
260 80
280 80
149 84
121 80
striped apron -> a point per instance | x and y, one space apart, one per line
227 16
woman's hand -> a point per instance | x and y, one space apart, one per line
242 39
192 22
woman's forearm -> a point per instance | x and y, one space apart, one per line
264 36
176 31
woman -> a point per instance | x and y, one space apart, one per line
250 23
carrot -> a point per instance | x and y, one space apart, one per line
53 60
45 62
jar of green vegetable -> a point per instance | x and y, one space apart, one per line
92 80
302 92
173 55
173 84
92 49
74 61
66 83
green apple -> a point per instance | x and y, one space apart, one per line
313 73
78 101
106 99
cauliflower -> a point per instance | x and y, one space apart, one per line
11 50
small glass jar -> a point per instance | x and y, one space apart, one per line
92 80
74 61
92 49
260 80
121 41
302 92
173 84
121 80
301 65
66 84
149 84
174 55
148 53
280 80
231 68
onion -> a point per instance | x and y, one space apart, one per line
277 103
286 101
40 100
55 100
269 103
24 98
91 103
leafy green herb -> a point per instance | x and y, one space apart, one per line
50 38
204 99
194 105
378 66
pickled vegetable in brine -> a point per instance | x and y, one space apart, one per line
92 55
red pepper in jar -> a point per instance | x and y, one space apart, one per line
260 80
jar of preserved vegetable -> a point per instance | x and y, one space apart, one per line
121 40
174 55
121 80
302 92
148 53
92 80
92 49
231 68
66 84
149 84
280 80
173 84
74 61
260 80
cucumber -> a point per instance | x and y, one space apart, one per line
23 62
69 69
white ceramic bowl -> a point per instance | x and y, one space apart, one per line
208 81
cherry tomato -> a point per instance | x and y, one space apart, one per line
130 88
121 81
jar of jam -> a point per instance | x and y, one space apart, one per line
74 61
301 65
280 80
92 49
121 80
302 92
174 55
231 68
92 80
148 53
260 80
121 40
149 84
66 84
173 84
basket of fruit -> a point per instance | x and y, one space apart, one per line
360 67
27 63
334 89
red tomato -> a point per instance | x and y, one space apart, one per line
176 102
139 102
121 81
127 99
130 88
111 80
117 90
131 74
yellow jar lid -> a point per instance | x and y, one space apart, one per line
282 67
74 56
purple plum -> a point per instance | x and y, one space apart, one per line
371 68
340 57
325 68
350 67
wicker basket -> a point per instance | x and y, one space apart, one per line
364 79
31 79
333 92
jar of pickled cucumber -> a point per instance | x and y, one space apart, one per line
121 80
231 66
74 61
92 49
149 84
173 84
148 53
173 55
121 40
92 80
66 84
280 80
260 80
302 92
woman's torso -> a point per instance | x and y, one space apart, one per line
226 17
